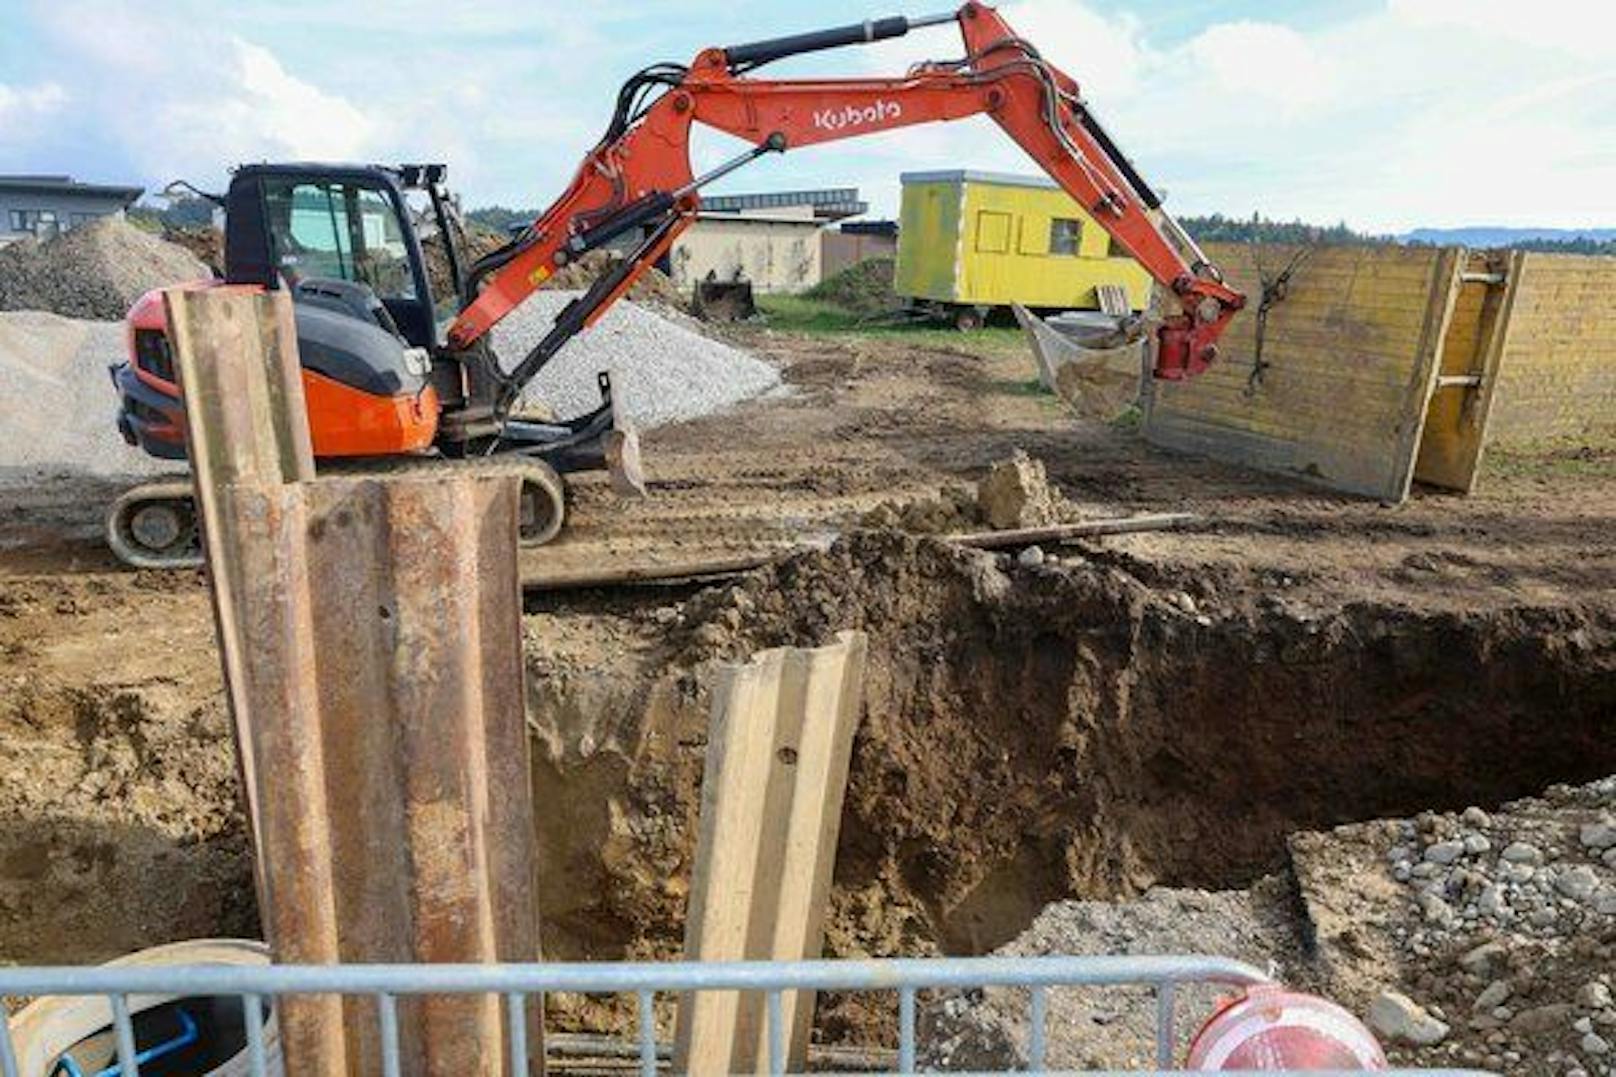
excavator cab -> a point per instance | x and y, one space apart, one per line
295 223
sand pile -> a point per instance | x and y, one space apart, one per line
97 270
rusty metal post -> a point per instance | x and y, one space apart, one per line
372 633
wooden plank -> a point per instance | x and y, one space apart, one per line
1457 420
236 363
1557 374
1444 294
1349 359
779 746
371 632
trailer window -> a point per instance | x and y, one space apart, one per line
992 232
338 231
1065 236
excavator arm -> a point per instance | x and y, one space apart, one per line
638 178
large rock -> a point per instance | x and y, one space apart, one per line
1016 493
1397 1018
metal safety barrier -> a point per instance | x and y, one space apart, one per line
255 985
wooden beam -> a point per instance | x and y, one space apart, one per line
371 632
779 746
540 579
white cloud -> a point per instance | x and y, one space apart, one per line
21 107
1409 112
1421 112
258 110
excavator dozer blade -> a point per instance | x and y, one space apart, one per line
1096 368
622 449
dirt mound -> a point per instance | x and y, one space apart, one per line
1014 493
206 245
97 270
863 288
474 244
654 286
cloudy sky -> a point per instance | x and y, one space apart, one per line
1387 114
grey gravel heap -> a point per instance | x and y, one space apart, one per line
69 424
662 371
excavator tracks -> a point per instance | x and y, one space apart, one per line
156 525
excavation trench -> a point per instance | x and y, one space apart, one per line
1030 733
1033 733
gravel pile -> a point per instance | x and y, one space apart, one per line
61 408
1109 1028
96 271
1510 920
662 371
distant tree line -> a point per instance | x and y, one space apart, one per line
1213 228
500 218
1578 245
1217 228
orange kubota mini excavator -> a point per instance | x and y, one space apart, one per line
384 380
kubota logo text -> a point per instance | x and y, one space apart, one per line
837 119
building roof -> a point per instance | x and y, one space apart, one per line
807 221
965 175
57 184
829 204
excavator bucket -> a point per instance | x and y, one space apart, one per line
1094 362
724 300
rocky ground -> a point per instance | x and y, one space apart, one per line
1486 938
1190 710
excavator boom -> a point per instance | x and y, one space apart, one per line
638 179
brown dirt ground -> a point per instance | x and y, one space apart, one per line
1158 708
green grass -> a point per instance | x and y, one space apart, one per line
799 314
1591 457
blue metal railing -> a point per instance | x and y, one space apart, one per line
385 983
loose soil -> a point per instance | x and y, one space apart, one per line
1151 710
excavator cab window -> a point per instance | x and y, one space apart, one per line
338 231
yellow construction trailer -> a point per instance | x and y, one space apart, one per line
970 242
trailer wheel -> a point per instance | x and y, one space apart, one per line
970 319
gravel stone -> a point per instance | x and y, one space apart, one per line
1578 883
1492 996
1444 852
1519 852
1598 835
1398 1018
